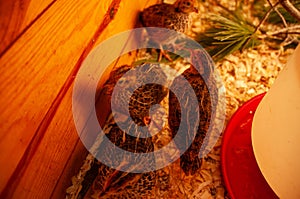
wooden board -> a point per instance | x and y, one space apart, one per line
39 146
16 17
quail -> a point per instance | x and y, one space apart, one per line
141 99
115 182
175 17
119 182
206 98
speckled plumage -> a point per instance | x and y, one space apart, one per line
111 183
142 98
171 16
207 100
175 17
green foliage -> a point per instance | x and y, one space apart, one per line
230 31
154 57
227 35
260 8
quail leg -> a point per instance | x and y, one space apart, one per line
163 53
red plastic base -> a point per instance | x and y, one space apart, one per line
242 176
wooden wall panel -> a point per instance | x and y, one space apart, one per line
39 147
78 155
18 15
34 71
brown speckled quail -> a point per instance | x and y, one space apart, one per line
113 183
105 182
170 16
207 101
143 97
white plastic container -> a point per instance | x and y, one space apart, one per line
276 132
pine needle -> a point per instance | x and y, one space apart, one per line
227 35
259 8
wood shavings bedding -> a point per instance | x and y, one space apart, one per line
250 73
244 76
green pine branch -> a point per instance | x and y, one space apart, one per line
259 9
227 35
230 31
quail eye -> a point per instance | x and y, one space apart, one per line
188 3
121 81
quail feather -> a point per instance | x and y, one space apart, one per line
140 100
206 92
175 17
105 181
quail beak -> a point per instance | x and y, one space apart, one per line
196 10
147 120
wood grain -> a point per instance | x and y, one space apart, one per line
39 147
17 16
35 69
50 157
71 169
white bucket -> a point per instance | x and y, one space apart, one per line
276 132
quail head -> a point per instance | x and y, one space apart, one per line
171 16
175 17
